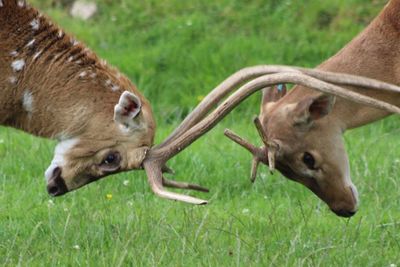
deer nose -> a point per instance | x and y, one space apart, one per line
56 185
344 213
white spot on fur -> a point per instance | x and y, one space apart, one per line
21 3
18 65
31 42
114 88
35 24
70 58
14 53
1 3
82 74
27 101
60 151
74 42
13 80
37 54
108 82
93 75
78 62
60 33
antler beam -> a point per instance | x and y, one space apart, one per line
246 74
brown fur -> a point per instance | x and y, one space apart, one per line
73 93
373 53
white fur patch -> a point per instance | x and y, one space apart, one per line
60 33
21 3
14 53
27 101
13 80
114 88
82 74
350 184
18 64
37 54
31 42
1 3
74 42
35 24
60 151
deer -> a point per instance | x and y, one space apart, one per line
53 86
301 130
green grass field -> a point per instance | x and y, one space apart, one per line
176 51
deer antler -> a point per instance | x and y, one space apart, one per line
189 131
264 154
246 74
258 152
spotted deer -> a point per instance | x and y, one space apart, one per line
53 86
302 129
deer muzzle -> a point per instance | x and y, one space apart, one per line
56 185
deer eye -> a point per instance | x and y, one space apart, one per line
309 160
111 162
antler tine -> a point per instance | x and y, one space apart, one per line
155 178
242 142
271 148
254 167
248 73
183 185
258 153
157 157
260 130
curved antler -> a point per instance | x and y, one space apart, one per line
248 73
158 156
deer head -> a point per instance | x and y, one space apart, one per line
306 146
300 139
110 141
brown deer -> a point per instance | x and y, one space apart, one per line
55 87
302 130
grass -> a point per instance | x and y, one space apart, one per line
176 51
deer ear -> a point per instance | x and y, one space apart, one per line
313 108
273 94
127 109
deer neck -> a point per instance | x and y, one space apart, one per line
52 86
374 53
